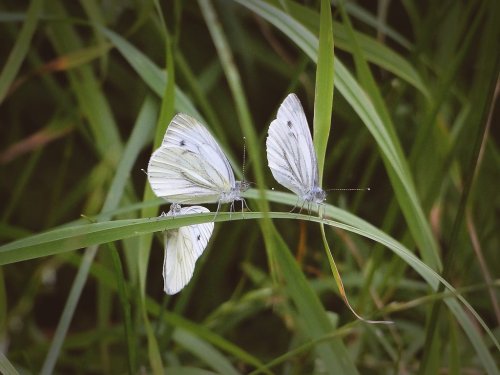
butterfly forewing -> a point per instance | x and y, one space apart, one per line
290 150
189 166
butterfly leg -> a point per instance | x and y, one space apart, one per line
321 211
302 206
217 211
296 205
244 202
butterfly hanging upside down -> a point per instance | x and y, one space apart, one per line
183 246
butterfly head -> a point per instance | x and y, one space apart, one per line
316 195
242 186
175 208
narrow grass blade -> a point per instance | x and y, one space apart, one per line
114 196
20 49
151 74
323 95
366 109
6 367
334 355
124 297
206 352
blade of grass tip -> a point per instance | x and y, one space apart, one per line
340 284
140 132
21 48
125 307
323 97
6 367
322 121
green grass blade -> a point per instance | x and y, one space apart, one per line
334 356
366 110
6 367
145 242
114 196
323 96
206 352
235 84
21 47
375 52
124 297
86 88
97 233
151 74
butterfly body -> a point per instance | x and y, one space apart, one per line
316 195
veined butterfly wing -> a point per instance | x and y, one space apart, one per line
290 151
190 167
183 246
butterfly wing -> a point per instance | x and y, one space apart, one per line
183 246
290 151
189 167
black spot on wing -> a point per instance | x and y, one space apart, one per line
289 123
198 237
182 142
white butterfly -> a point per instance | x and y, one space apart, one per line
290 152
190 167
183 246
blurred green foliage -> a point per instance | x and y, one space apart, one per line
87 88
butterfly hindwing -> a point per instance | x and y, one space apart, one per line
183 246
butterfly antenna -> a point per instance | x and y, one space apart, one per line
244 156
349 189
145 172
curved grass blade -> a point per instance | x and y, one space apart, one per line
361 103
333 355
20 49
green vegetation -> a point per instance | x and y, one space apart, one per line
87 90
